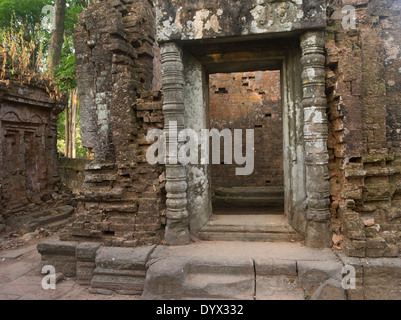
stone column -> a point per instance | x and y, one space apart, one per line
177 229
318 231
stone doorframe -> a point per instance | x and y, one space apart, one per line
185 87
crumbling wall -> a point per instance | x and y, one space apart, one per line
362 86
122 198
28 153
249 100
71 172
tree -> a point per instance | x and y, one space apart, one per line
27 12
22 20
57 38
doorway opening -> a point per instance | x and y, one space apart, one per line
246 85
248 100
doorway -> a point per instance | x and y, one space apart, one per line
248 100
280 179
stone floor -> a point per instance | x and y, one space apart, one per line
243 270
217 270
251 225
21 279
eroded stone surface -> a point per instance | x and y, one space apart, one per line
188 20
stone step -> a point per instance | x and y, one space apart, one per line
221 279
120 270
249 201
57 225
219 271
250 191
200 278
49 218
249 197
265 228
218 286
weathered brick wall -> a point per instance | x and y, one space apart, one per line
28 152
363 90
71 172
118 65
249 100
122 198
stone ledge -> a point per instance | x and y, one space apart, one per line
376 278
263 271
105 269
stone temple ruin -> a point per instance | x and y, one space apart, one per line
321 95
31 193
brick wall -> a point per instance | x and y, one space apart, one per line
28 147
71 172
249 100
363 85
122 199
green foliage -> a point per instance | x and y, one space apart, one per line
65 72
27 12
81 152
74 8
26 40
61 133
24 18
26 54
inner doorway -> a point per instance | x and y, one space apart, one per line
249 100
240 62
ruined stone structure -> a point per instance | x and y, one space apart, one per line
341 169
330 108
71 172
121 200
28 155
362 88
339 130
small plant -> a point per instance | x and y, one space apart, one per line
24 56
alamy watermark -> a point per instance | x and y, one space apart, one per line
349 19
190 147
49 281
348 277
49 18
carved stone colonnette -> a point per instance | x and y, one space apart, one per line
177 228
318 230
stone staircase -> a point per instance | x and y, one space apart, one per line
248 227
207 270
236 197
248 214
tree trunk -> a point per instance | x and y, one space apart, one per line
73 123
57 38
67 129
